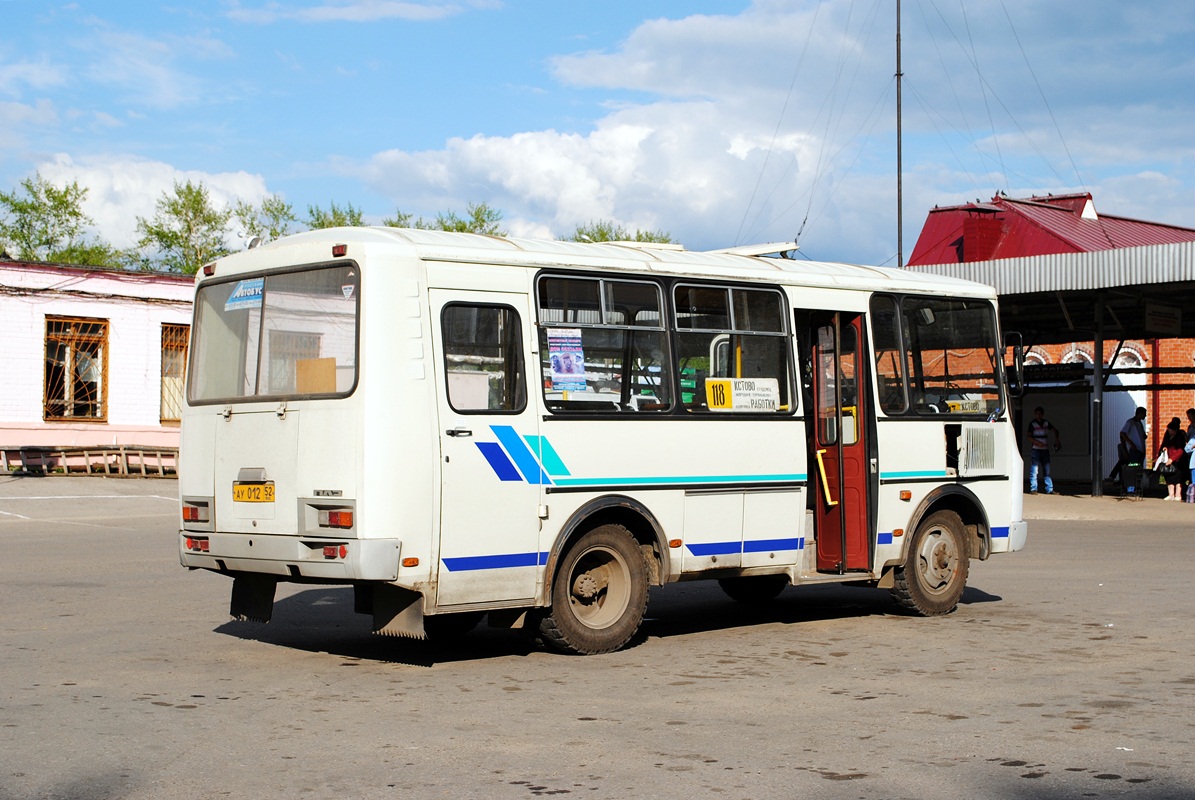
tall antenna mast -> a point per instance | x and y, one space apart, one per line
900 204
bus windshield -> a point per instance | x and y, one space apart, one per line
284 335
943 350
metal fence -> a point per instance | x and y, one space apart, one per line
118 461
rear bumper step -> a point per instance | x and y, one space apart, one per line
286 556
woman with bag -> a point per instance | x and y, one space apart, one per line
1170 455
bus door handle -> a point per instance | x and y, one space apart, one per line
459 430
821 465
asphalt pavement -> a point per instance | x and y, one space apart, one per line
1068 671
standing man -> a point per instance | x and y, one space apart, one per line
1132 443
1039 449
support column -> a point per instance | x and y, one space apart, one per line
1097 402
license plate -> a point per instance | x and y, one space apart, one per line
253 492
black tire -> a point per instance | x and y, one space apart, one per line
934 574
446 627
756 590
599 594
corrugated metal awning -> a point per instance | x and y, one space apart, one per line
1052 299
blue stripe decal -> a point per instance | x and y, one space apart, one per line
1000 533
689 479
498 461
715 548
750 546
547 455
469 563
770 545
522 456
933 473
884 538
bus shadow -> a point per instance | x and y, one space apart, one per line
322 620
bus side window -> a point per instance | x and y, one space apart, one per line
737 334
603 347
483 358
889 354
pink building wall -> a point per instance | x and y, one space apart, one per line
135 305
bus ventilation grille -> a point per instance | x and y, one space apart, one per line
980 447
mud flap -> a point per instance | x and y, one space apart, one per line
981 544
253 598
398 612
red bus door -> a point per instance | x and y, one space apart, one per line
839 460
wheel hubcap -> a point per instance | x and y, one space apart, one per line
599 588
938 560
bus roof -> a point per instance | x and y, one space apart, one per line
623 256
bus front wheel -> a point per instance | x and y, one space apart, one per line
599 595
934 574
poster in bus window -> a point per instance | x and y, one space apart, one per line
246 294
567 358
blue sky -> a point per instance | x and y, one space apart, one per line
720 122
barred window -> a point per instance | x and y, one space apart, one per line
76 377
174 361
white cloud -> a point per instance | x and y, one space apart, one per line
122 188
346 11
39 74
17 118
681 167
143 68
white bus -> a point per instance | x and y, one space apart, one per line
460 425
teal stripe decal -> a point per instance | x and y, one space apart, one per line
689 479
887 476
547 455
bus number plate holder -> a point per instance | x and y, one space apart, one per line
253 492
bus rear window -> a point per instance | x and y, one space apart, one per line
281 335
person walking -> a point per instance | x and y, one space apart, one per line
1039 449
1172 450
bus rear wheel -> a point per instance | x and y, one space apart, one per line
934 574
599 595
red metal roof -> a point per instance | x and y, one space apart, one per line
1011 228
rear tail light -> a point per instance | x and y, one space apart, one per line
336 551
336 519
198 544
196 512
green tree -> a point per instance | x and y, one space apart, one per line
479 218
334 217
43 222
96 253
271 220
186 232
401 219
605 230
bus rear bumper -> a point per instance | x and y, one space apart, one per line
323 558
